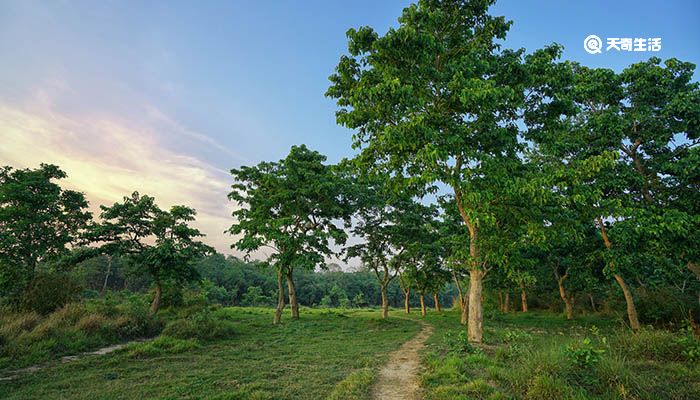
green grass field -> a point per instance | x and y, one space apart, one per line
335 354
302 359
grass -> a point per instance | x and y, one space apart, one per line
235 353
27 338
542 356
325 353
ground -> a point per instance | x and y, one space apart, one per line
341 354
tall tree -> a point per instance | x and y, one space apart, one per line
436 99
157 243
393 227
295 207
39 221
635 129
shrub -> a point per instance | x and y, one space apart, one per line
13 324
50 291
584 354
204 325
92 324
655 344
254 297
458 343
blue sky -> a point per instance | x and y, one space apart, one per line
166 97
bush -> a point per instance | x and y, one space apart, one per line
655 344
28 338
13 324
665 306
458 343
204 325
584 354
93 324
50 291
254 297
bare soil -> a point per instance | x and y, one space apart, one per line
398 379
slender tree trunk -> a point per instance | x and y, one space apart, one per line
568 302
436 299
155 304
500 300
476 311
422 304
590 297
463 305
280 298
385 302
464 314
506 303
406 296
292 295
109 270
631 309
523 296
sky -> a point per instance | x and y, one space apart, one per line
165 97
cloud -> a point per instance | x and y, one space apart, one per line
108 158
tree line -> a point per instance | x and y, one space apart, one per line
475 165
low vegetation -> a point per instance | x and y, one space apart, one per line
28 338
537 355
304 359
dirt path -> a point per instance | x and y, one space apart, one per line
398 379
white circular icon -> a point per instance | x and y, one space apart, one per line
592 44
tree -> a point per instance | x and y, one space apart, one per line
39 221
634 129
157 243
254 297
407 282
393 227
293 207
436 99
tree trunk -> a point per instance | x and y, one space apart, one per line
568 302
109 270
292 295
590 297
385 302
464 314
436 299
631 310
463 305
406 305
476 311
506 303
280 298
500 300
155 305
523 297
475 318
422 304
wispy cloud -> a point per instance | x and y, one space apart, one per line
107 158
